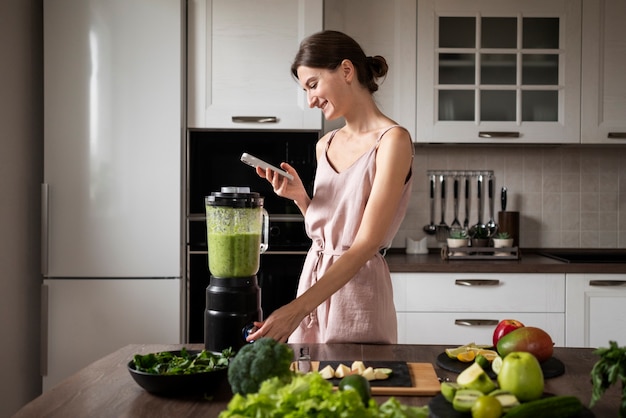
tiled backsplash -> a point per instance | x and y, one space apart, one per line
568 197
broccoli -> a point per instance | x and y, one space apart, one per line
256 362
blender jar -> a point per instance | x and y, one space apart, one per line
237 231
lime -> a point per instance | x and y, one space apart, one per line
483 362
359 384
486 407
496 364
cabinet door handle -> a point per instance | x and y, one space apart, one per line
254 119
617 135
606 283
477 282
498 134
475 322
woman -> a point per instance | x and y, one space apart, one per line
361 192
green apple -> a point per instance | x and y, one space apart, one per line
522 376
475 377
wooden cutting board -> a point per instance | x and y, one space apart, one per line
423 377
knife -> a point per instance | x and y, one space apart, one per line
503 199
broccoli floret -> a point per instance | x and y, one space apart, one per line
256 362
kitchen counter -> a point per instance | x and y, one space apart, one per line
530 262
106 389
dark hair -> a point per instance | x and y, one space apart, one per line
328 48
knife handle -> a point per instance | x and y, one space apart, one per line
503 199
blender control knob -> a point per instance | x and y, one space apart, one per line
247 330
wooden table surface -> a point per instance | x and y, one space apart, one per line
106 389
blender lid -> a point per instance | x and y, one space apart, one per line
235 197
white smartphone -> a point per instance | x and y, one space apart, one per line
253 161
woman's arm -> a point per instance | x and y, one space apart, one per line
393 162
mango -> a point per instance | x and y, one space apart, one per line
529 339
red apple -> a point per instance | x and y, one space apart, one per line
504 327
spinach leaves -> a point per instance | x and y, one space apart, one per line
167 362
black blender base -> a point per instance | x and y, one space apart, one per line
232 305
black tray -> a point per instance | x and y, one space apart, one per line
440 408
552 367
400 375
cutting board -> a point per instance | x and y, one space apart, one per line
424 381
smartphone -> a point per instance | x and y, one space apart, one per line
253 161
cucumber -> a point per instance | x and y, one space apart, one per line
553 407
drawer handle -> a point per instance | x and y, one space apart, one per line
484 134
477 282
617 135
606 283
254 119
476 322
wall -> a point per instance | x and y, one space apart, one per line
567 196
21 167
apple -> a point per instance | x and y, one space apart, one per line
475 377
504 327
522 376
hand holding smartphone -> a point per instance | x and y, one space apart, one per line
257 162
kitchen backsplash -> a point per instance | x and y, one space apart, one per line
568 197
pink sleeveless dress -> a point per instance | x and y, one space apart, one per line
363 310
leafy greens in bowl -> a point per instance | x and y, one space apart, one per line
184 372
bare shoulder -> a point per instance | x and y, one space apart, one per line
397 138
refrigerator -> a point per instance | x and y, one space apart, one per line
111 194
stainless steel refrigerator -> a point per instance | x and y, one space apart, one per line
111 194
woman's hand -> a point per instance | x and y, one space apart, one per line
279 325
283 187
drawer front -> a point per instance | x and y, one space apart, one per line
461 327
442 292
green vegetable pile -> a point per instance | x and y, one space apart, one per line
259 361
607 371
168 363
310 395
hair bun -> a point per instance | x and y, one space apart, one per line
378 66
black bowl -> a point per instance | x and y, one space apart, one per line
196 384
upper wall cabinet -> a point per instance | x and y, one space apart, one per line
603 70
393 37
498 71
239 54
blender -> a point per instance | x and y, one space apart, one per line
237 233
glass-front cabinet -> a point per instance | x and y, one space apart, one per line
498 71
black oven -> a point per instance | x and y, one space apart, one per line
213 161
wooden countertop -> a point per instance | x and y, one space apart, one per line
529 262
106 389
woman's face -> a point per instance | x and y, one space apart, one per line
324 89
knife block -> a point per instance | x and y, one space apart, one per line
509 222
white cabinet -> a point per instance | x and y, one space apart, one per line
84 320
239 58
393 37
498 71
596 310
603 69
448 308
